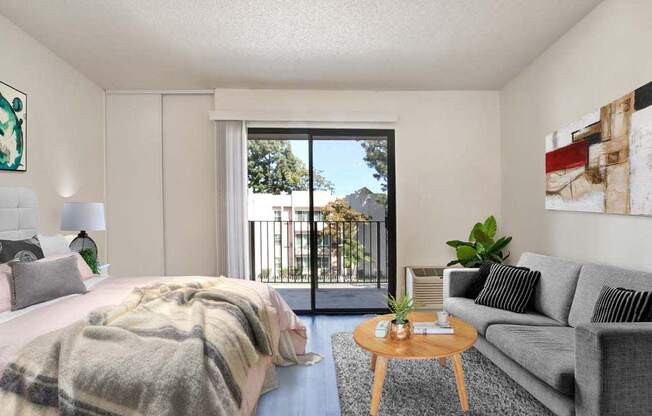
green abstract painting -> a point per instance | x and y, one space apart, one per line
13 128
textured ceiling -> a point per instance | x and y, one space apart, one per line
325 44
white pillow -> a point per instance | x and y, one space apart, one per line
53 245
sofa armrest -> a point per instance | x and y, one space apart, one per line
613 369
457 281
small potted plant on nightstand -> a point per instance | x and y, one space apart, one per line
400 327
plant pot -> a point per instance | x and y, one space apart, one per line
400 332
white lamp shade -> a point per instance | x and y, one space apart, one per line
87 216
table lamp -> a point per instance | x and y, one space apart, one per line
83 216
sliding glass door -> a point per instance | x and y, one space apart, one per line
321 211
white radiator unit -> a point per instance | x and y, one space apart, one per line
426 286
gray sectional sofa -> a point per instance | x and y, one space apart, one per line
571 365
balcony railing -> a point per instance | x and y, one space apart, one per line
352 252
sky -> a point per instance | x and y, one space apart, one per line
341 162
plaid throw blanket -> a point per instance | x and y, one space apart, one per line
179 348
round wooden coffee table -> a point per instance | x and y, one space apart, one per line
417 347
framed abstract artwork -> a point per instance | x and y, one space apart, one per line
603 161
13 128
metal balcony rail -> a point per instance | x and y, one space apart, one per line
352 252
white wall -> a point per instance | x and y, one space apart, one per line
447 156
65 128
603 57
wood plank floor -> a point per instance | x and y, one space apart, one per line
310 391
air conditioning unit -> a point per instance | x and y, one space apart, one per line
426 286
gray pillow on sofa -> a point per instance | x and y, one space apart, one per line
36 282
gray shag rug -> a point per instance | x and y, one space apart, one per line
422 387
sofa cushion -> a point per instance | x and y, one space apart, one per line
547 352
509 288
592 278
482 316
622 305
478 283
554 293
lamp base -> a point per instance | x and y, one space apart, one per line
83 242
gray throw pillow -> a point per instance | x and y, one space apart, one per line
36 282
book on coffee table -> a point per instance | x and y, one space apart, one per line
432 328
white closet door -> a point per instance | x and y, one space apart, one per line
134 188
189 185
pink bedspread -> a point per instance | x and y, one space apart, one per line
19 331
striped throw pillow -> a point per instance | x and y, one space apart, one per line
508 288
622 305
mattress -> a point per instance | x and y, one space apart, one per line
20 327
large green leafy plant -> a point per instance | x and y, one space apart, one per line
481 246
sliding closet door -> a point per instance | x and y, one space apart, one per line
134 188
189 185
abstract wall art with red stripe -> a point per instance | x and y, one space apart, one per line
603 162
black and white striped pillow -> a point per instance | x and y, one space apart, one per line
508 288
622 305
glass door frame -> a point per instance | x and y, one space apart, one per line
390 221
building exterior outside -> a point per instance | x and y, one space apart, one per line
280 239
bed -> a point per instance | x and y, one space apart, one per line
19 219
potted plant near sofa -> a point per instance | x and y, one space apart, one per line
400 326
481 246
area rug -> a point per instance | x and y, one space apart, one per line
419 387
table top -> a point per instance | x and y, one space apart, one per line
417 346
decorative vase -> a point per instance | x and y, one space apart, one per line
400 332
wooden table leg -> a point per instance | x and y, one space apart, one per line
377 388
459 379
442 362
373 362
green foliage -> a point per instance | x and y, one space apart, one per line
339 210
345 236
90 259
353 253
400 307
376 158
481 246
274 168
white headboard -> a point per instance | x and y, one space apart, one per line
18 213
